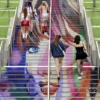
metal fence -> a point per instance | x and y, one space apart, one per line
6 45
98 56
86 22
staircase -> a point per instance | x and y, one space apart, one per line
31 82
70 87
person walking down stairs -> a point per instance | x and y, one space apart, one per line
81 53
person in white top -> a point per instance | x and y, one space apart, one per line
31 10
44 14
25 23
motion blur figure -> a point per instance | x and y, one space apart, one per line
44 15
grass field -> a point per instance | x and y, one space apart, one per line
95 21
3 32
12 5
4 21
90 5
91 0
6 15
94 15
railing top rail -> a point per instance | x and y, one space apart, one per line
43 66
21 2
10 30
1 44
98 50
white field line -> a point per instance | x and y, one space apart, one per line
10 1
4 26
92 2
95 26
7 10
91 9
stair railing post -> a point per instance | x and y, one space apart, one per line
94 3
8 3
49 53
97 57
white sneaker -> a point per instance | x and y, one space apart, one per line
23 35
79 78
26 35
81 73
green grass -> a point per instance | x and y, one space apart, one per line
4 21
92 14
3 32
95 21
7 13
90 5
91 0
12 5
96 32
10 0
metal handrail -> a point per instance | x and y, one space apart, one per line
49 65
21 3
90 38
97 57
10 37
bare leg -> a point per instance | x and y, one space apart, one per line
23 31
79 67
60 63
57 65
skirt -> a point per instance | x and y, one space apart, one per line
25 23
81 55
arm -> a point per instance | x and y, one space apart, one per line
61 44
73 44
39 8
84 44
64 42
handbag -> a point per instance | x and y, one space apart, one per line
62 50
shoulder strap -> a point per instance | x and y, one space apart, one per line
60 47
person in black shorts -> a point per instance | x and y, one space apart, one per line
81 53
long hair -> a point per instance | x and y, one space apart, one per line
25 12
44 3
30 5
77 39
56 40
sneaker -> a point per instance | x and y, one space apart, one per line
79 78
81 73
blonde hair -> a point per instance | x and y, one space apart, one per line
44 3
